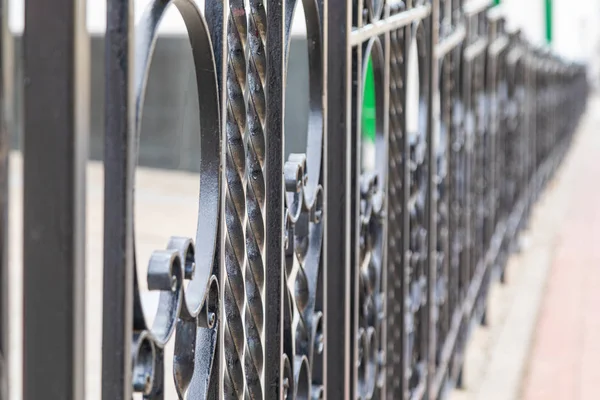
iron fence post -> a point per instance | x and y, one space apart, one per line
337 237
275 217
56 114
117 332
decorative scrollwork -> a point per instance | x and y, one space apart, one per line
303 341
458 193
498 106
442 297
371 296
458 186
417 159
184 274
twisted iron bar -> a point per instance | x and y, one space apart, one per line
255 197
235 203
396 246
417 252
441 298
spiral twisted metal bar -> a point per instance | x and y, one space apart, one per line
417 252
396 201
445 278
255 198
235 202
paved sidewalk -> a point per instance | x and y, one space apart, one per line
563 363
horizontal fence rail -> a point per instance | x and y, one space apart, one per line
355 266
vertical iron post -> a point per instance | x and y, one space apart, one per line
337 234
118 205
274 282
56 118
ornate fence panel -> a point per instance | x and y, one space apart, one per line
353 266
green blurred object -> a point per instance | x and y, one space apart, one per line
369 123
548 21
369 120
496 2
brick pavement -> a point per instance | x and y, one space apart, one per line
563 360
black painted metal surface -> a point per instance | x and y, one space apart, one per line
56 119
353 266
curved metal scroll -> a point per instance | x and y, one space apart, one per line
303 320
417 125
372 181
185 274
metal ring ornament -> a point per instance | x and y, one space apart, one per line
143 354
183 273
206 80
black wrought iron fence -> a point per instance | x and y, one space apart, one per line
355 268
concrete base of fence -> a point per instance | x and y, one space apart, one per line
497 357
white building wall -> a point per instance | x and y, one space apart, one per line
528 15
576 28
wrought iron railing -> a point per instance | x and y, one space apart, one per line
355 268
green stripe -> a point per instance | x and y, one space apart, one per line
548 4
369 123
